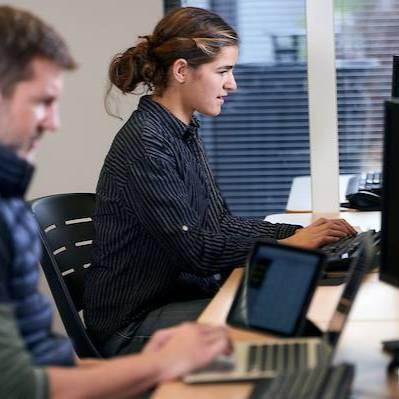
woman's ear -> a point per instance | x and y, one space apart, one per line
180 70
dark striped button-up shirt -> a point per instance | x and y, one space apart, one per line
162 227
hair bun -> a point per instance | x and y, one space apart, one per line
194 34
146 37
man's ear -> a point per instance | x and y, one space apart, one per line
180 70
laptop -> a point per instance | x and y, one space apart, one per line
256 359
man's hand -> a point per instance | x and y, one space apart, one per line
160 338
187 347
320 232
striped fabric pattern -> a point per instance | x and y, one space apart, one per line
162 227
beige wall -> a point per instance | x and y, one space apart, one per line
70 160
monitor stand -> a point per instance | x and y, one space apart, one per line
392 347
394 365
310 329
333 279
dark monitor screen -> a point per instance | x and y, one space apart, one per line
277 288
389 270
395 76
282 278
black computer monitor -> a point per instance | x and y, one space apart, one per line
389 268
395 76
389 271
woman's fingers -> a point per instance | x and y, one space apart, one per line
334 224
320 232
333 232
347 227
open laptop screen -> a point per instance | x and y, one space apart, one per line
276 291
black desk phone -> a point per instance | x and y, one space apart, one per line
364 192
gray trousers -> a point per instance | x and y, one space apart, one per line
131 339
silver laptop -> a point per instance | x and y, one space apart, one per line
255 359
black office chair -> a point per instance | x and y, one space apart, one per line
67 232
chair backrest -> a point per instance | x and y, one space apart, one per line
67 232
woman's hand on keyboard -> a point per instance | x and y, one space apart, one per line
322 231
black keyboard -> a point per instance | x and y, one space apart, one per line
324 382
341 253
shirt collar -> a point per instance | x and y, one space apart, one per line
15 174
178 127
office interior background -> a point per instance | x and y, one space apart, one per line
70 160
261 139
260 142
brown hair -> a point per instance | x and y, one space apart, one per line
24 37
195 34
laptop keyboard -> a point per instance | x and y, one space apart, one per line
284 357
318 383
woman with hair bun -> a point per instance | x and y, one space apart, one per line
162 228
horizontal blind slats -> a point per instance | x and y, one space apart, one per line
260 141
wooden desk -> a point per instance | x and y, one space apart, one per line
374 317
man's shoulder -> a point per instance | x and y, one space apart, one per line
18 229
15 216
7 217
6 254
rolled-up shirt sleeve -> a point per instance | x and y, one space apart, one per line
159 198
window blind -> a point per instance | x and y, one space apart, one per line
260 141
367 37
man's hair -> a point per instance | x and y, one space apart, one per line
23 38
